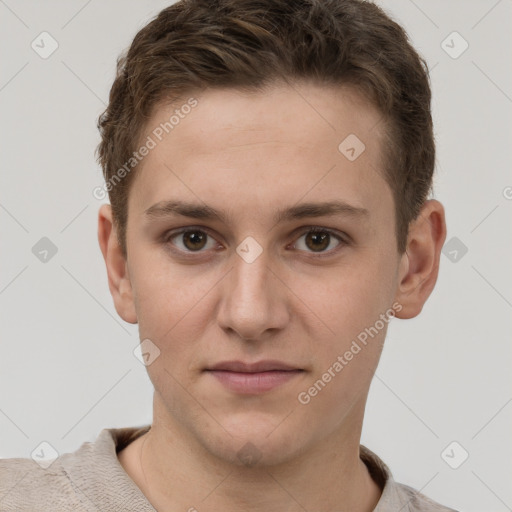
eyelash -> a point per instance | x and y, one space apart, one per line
343 240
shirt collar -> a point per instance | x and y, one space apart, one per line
113 486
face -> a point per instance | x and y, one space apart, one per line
235 255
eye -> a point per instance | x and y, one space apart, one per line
191 240
318 239
195 240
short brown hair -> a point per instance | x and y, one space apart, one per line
249 44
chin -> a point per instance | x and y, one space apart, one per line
255 444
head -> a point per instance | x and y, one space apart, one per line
243 117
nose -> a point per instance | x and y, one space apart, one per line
254 299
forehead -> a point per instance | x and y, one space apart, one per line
282 143
301 113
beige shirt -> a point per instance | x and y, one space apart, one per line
92 479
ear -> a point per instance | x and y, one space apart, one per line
117 266
419 266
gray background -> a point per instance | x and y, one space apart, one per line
67 367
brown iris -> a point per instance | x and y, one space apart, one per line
194 240
320 240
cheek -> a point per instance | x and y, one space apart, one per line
347 355
353 298
172 311
352 308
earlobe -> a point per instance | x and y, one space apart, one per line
419 266
119 281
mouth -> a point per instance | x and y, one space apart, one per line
253 378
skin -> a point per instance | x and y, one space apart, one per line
250 155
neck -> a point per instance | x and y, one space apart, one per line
175 472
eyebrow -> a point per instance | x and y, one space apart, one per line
164 209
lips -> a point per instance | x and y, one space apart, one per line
261 366
253 378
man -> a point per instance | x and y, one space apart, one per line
268 166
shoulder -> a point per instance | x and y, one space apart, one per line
418 502
88 479
24 485
396 496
